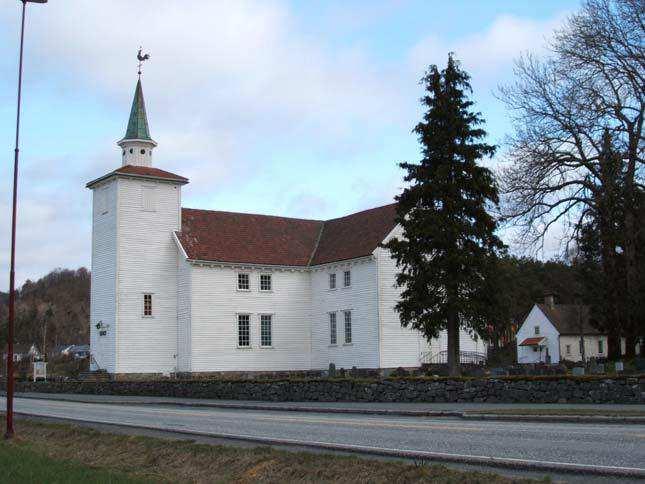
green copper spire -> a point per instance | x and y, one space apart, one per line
138 122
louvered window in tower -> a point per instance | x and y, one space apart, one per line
148 195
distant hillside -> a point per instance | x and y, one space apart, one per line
525 281
58 302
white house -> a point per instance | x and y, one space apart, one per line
198 291
554 332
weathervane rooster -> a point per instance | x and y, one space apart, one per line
141 59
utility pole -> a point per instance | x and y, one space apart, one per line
12 270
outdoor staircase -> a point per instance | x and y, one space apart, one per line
441 358
95 376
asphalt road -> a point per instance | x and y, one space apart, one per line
612 445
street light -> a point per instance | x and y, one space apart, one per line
12 271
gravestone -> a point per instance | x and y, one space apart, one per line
578 371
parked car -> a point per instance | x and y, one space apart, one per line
80 352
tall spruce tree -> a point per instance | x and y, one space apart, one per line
447 256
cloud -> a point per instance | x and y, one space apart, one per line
260 114
307 205
488 54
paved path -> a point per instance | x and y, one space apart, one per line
610 446
415 407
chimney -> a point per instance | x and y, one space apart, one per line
549 300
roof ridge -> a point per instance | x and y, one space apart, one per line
315 249
360 212
292 218
254 214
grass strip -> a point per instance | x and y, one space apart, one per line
21 463
565 412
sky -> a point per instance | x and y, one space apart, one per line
292 108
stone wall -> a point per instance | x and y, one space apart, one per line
507 390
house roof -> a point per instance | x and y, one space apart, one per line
240 237
569 318
262 239
355 235
141 172
533 341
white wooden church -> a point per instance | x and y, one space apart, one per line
181 290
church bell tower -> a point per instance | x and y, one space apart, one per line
136 210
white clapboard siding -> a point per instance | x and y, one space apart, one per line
147 263
526 354
215 303
403 346
592 346
103 277
183 314
400 347
361 299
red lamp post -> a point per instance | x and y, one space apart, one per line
12 271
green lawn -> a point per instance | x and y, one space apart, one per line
19 463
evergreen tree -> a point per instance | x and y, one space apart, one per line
447 256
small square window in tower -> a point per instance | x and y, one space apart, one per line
148 199
147 304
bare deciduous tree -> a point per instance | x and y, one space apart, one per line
565 108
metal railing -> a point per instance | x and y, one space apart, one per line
441 357
93 360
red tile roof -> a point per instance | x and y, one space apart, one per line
262 239
532 341
241 237
355 235
143 172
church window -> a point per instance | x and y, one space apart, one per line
348 327
332 281
243 282
347 278
333 337
148 199
568 349
266 321
265 282
243 330
147 304
601 346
